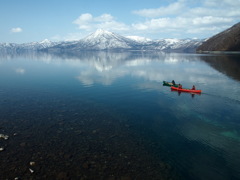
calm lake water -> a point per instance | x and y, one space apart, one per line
107 116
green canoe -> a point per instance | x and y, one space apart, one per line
165 83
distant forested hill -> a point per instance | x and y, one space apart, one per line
228 40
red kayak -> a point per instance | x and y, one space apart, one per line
186 90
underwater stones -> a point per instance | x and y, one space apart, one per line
68 156
94 131
62 175
23 144
31 171
5 137
86 165
32 163
83 150
125 178
78 132
165 166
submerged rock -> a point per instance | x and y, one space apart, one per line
4 136
32 163
32 171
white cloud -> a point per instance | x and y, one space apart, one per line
84 21
74 36
104 18
210 20
173 8
16 30
177 19
188 27
187 18
104 21
191 8
84 18
162 24
222 3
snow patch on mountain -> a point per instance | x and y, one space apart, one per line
139 38
172 41
102 39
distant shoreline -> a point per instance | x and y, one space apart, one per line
218 52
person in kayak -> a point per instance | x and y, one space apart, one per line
193 87
180 86
173 82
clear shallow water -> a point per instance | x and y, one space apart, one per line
107 116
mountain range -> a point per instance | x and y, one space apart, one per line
102 40
33 46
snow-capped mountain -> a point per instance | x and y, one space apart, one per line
99 40
102 39
180 45
38 45
32 46
105 40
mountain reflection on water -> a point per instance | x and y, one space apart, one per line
106 61
227 64
105 115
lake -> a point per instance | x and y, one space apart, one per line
102 115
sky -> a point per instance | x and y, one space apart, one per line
23 21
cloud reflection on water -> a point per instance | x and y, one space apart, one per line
20 71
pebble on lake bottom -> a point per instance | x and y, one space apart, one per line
32 171
4 136
32 163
